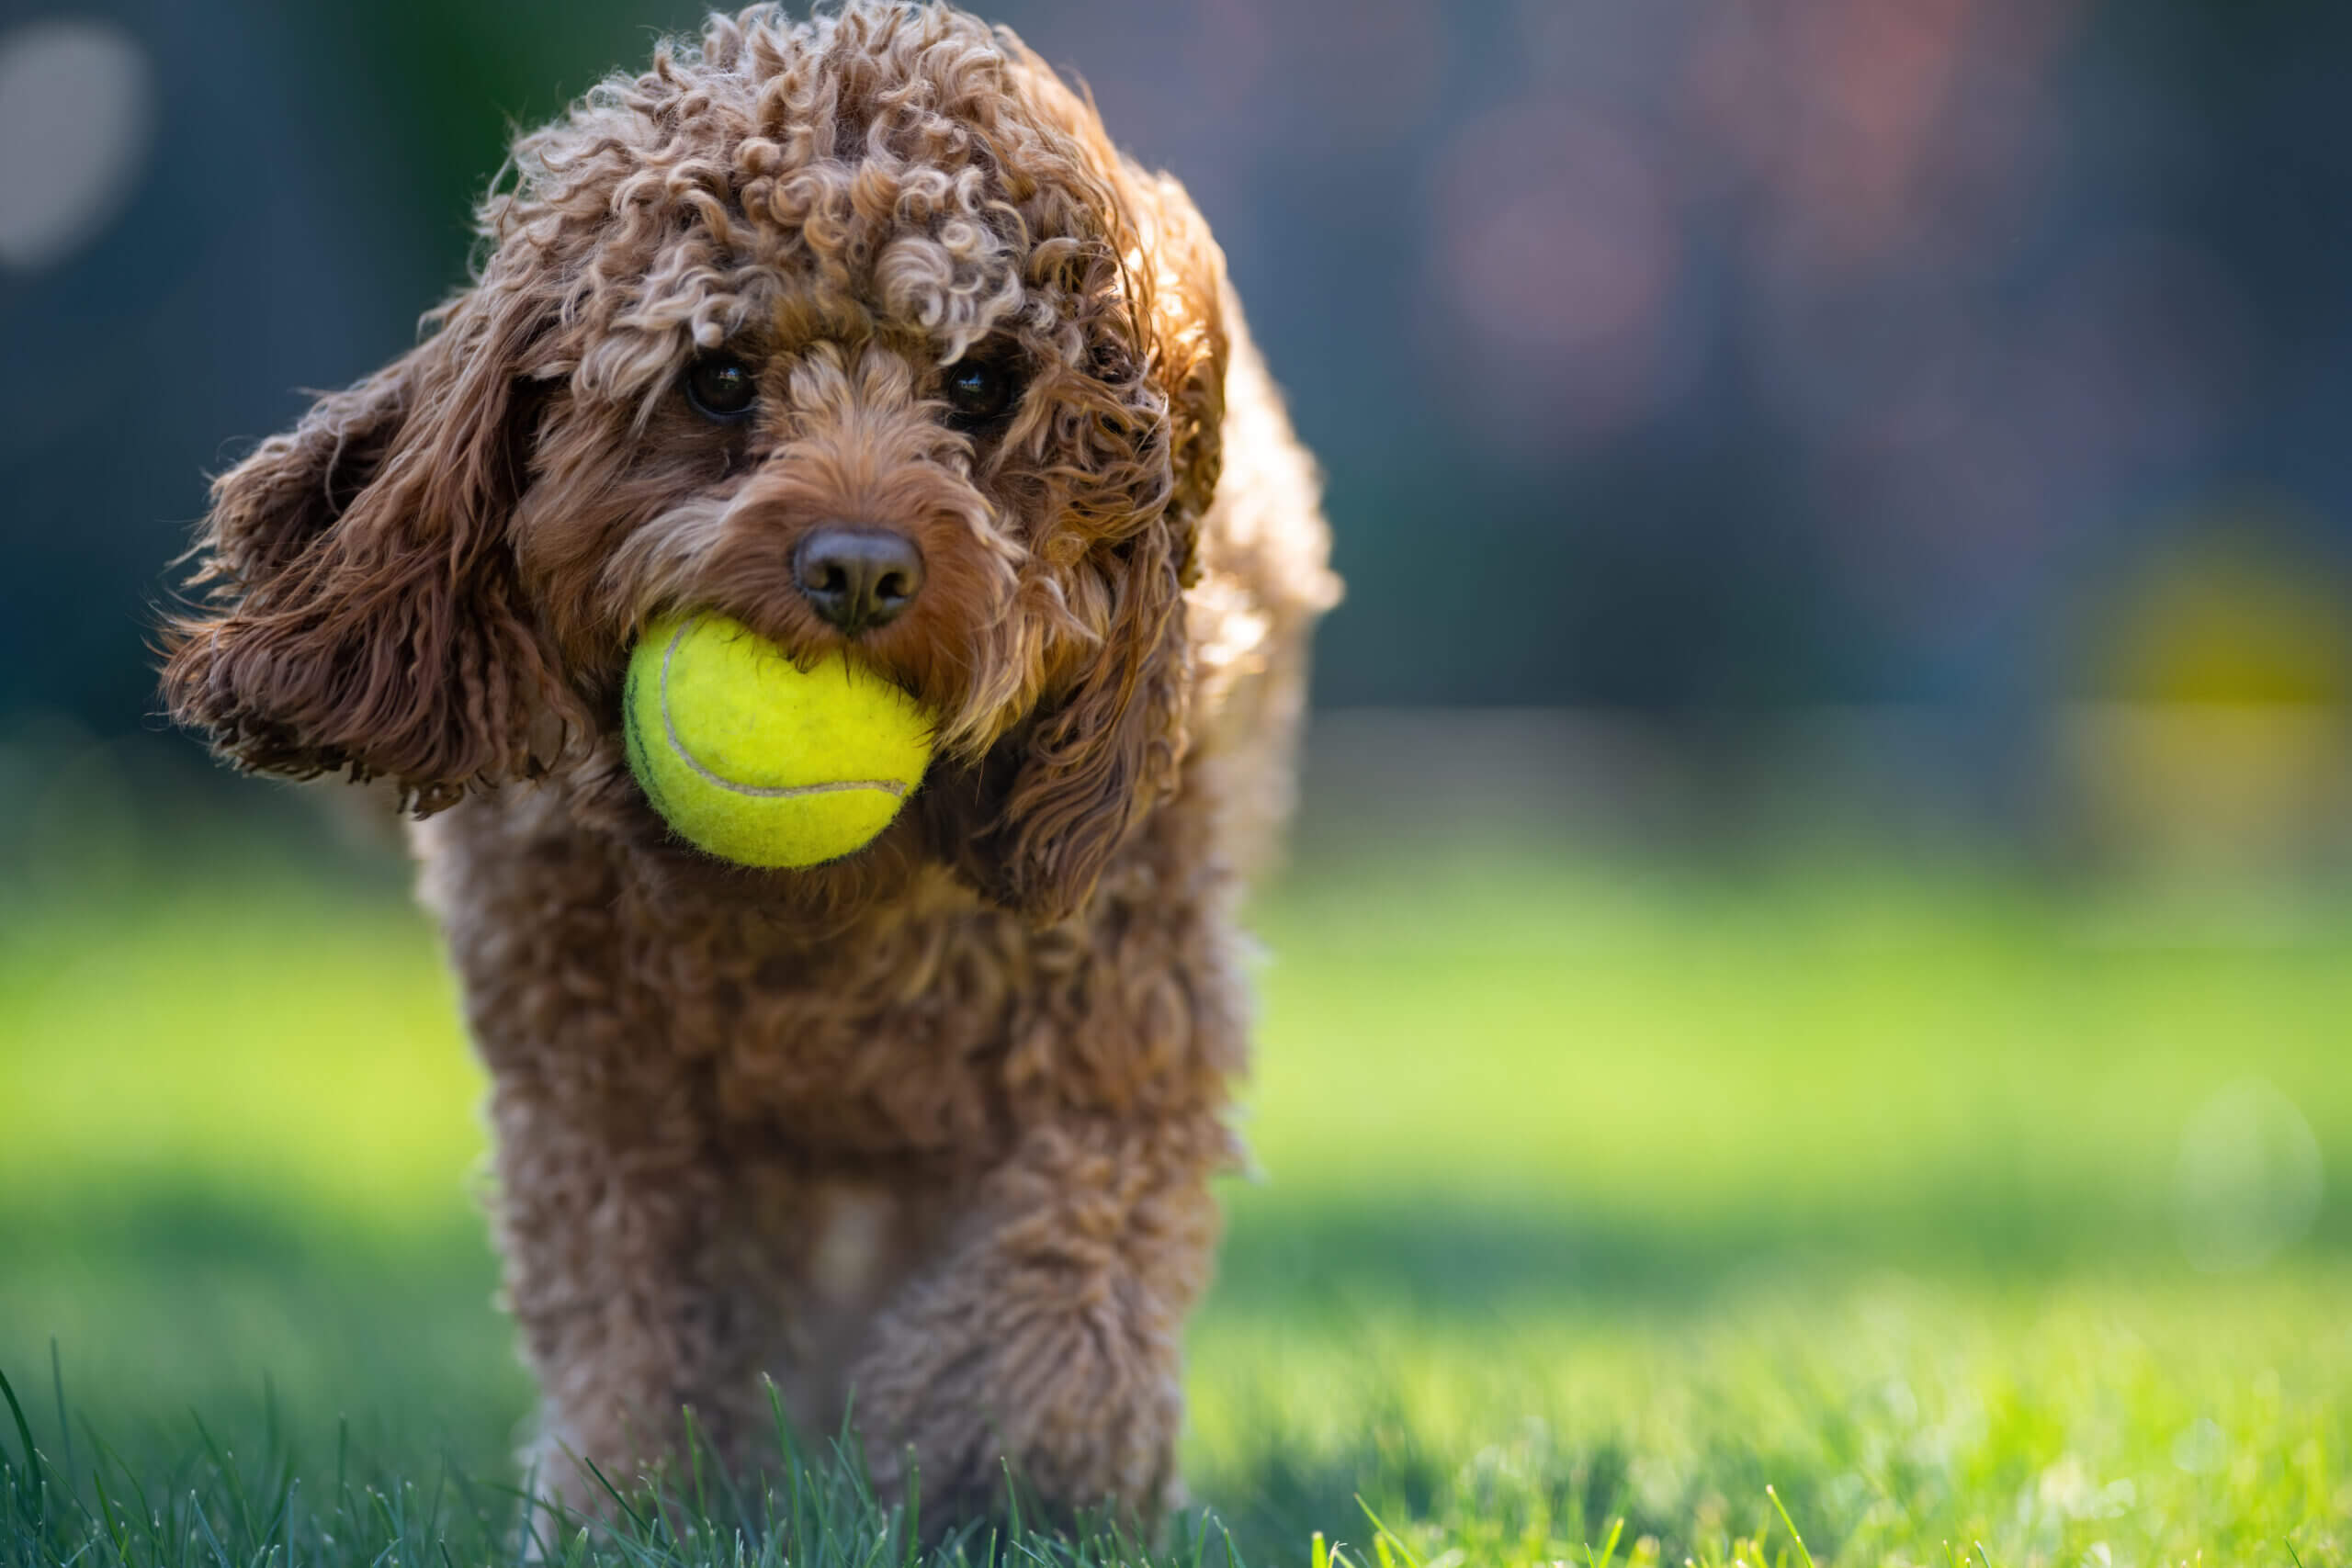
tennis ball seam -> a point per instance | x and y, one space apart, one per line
759 791
633 744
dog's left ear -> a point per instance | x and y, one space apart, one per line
1112 748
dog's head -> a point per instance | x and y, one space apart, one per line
858 330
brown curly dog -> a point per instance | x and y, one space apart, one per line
927 1132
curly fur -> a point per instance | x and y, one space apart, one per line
930 1128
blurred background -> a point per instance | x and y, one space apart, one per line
1835 755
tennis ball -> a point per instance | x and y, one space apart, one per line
761 762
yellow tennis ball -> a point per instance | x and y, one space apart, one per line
758 761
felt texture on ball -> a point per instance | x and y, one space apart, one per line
755 761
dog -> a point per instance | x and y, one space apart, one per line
922 1137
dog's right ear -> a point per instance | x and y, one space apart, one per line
360 607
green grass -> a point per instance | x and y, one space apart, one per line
1594 1201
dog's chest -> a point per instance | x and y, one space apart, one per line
932 1028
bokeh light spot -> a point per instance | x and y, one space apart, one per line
2248 1179
1558 241
76 115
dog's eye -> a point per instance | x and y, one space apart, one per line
721 386
977 391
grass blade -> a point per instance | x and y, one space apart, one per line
1803 1556
1383 1537
64 1427
613 1492
35 1490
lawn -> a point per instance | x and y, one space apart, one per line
1981 1219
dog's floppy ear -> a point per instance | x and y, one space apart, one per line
1110 749
361 608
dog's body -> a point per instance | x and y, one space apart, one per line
926 1133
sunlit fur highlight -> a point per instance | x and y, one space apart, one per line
985 1060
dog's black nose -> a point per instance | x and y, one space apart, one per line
857 578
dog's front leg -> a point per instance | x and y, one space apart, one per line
611 1213
1047 1339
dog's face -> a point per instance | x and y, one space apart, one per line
857 330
